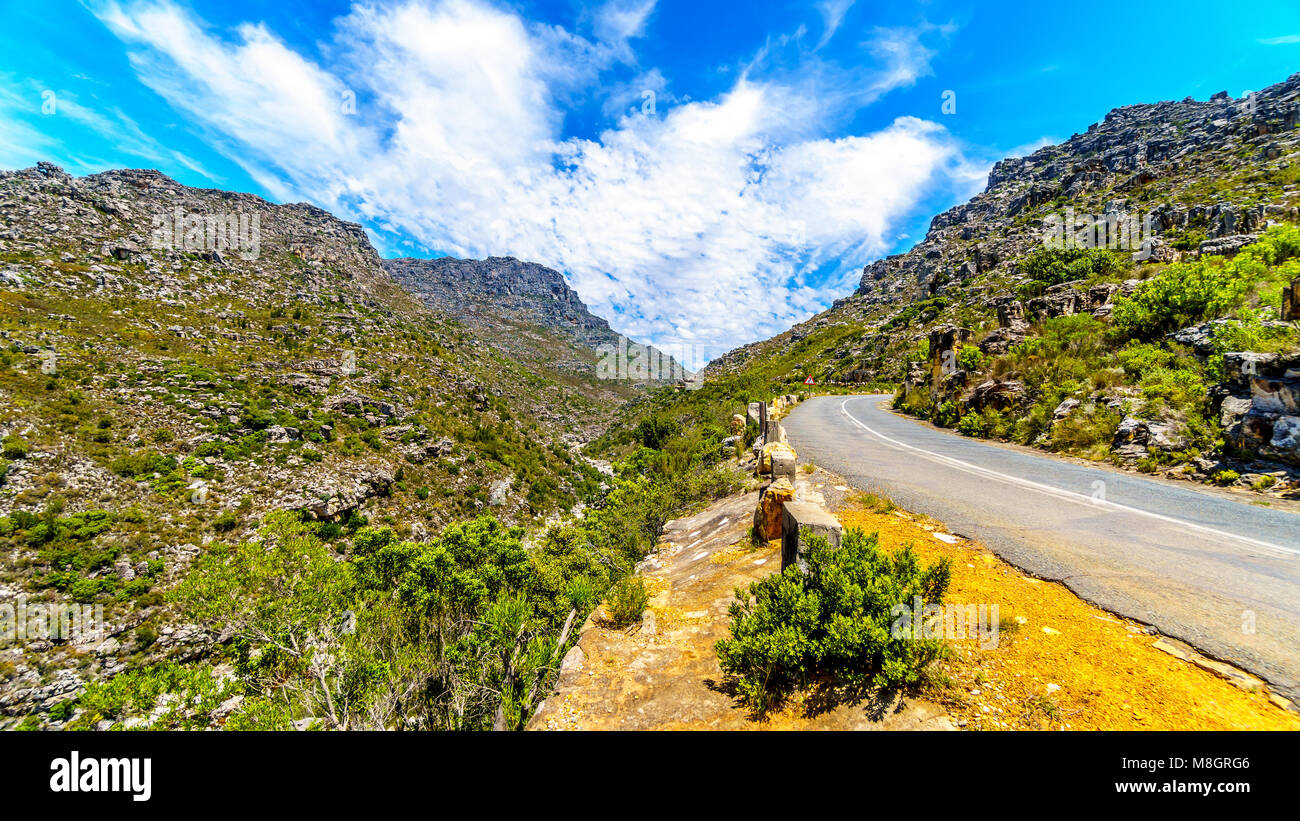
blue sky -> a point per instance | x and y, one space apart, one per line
706 174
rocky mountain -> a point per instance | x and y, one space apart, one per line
523 291
1147 213
500 296
177 364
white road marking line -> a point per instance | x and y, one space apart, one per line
1068 495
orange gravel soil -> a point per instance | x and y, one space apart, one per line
1061 663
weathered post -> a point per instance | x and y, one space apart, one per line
801 520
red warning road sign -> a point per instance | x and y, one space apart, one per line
810 381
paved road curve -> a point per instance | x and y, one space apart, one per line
1195 563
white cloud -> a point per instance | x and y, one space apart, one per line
619 21
832 12
1284 40
702 221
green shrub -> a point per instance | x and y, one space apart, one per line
837 620
627 600
947 414
1191 292
14 448
970 358
1181 295
142 463
1046 267
1226 477
652 432
1089 430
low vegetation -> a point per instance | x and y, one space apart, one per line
1128 365
837 622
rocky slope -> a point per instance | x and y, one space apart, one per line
177 363
522 291
951 316
499 297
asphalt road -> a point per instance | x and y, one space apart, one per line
1217 572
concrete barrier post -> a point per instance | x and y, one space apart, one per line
802 519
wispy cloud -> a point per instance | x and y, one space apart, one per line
1285 39
832 12
21 142
620 21
696 221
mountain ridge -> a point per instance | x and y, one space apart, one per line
1126 154
497 292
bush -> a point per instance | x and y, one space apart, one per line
14 448
836 620
947 414
654 431
1187 293
627 600
1046 267
1226 477
1089 430
1181 295
142 463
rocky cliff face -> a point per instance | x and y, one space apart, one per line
1178 163
523 291
504 300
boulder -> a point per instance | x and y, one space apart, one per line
768 516
1130 439
125 250
997 394
1232 409
1167 436
1135 437
500 492
1242 366
999 340
1286 436
1291 301
1063 410
1275 395
278 435
1220 246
